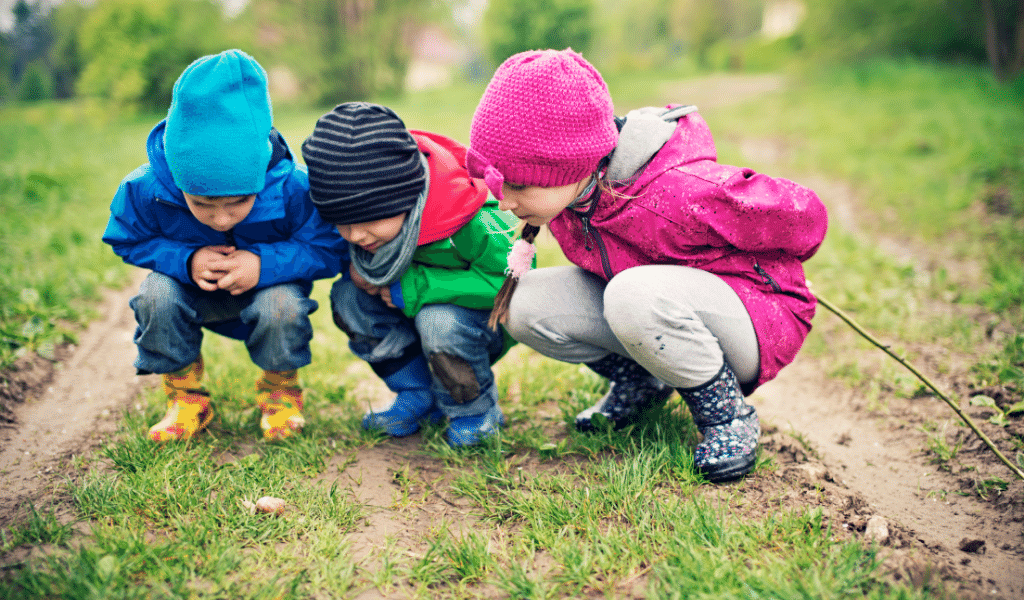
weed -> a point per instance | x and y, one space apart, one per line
939 446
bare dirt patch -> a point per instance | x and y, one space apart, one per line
64 409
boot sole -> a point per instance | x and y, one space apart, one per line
729 470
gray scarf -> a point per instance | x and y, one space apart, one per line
392 259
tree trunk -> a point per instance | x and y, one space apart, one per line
1004 39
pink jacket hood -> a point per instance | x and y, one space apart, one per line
684 208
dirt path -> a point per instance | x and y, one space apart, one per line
69 412
872 464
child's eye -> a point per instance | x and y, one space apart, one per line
515 186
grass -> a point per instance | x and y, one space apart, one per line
541 513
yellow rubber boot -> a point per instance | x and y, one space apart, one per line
188 405
280 399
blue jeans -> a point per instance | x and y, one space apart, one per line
273 322
387 339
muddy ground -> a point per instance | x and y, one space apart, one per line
864 463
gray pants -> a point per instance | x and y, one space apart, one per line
677 322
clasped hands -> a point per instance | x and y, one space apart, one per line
374 290
225 268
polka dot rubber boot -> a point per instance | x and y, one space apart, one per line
632 391
188 405
729 425
280 400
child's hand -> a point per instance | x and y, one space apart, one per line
385 295
361 283
241 271
202 273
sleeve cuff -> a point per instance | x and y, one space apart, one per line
396 294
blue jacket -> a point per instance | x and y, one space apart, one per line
151 227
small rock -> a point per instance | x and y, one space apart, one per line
269 504
972 546
877 529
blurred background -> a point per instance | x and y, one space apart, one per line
320 52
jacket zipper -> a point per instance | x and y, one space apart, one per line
587 233
767 278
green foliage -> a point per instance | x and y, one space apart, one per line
340 50
134 50
35 83
856 29
1006 368
64 56
929 148
512 26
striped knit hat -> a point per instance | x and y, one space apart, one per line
363 163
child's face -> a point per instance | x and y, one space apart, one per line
371 235
538 205
220 212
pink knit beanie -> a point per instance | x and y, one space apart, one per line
545 119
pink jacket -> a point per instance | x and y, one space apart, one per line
684 208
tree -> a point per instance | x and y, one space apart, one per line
512 26
1004 37
25 51
341 49
64 55
134 50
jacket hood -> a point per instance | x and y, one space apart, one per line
644 132
454 197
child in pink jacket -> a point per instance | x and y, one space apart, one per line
687 272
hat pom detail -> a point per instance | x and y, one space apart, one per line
520 258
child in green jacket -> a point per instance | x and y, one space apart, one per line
428 252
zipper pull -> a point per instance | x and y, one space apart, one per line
767 278
586 233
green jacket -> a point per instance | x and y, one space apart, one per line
465 269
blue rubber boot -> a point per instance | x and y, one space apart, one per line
632 391
471 430
729 425
413 403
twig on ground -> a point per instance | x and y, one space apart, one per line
963 416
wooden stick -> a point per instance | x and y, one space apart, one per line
963 416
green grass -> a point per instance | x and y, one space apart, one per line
553 514
934 152
58 170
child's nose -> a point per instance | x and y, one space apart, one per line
506 203
222 218
356 235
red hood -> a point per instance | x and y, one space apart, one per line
454 197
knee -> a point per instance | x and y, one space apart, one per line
456 375
157 294
281 305
630 304
438 325
529 305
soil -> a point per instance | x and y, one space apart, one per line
863 461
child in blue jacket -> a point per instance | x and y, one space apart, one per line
221 216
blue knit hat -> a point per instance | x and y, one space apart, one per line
217 139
